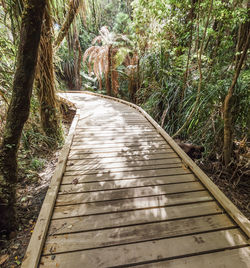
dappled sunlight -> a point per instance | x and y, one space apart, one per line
124 186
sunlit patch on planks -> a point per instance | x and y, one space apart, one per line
128 197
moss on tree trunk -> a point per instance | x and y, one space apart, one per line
49 111
18 111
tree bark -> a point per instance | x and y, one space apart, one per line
45 77
18 111
74 6
108 75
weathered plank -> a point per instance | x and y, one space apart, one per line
111 139
91 137
97 168
102 176
148 251
123 151
129 156
135 233
239 257
117 184
126 218
114 133
123 160
143 144
156 201
77 198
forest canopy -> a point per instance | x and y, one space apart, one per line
185 62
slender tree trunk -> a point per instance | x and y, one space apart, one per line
108 75
77 60
189 52
45 77
18 111
228 126
74 6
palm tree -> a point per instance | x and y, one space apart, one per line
102 59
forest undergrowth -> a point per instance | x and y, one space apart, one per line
37 162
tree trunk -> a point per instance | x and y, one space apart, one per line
77 60
108 75
18 111
228 126
73 10
46 84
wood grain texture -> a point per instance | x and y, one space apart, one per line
135 233
148 251
76 198
156 201
119 184
115 175
137 216
232 258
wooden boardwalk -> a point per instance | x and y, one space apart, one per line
125 195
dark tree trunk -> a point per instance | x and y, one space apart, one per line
108 75
77 60
45 77
18 111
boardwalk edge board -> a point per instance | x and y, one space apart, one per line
35 247
230 208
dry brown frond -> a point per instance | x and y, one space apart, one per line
88 52
97 39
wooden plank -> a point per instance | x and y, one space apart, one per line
78 198
123 151
100 168
104 176
109 140
137 133
148 251
135 233
130 156
156 201
231 209
94 222
108 164
149 144
116 128
124 160
107 121
32 256
117 184
239 257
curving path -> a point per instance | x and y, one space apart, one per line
125 195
